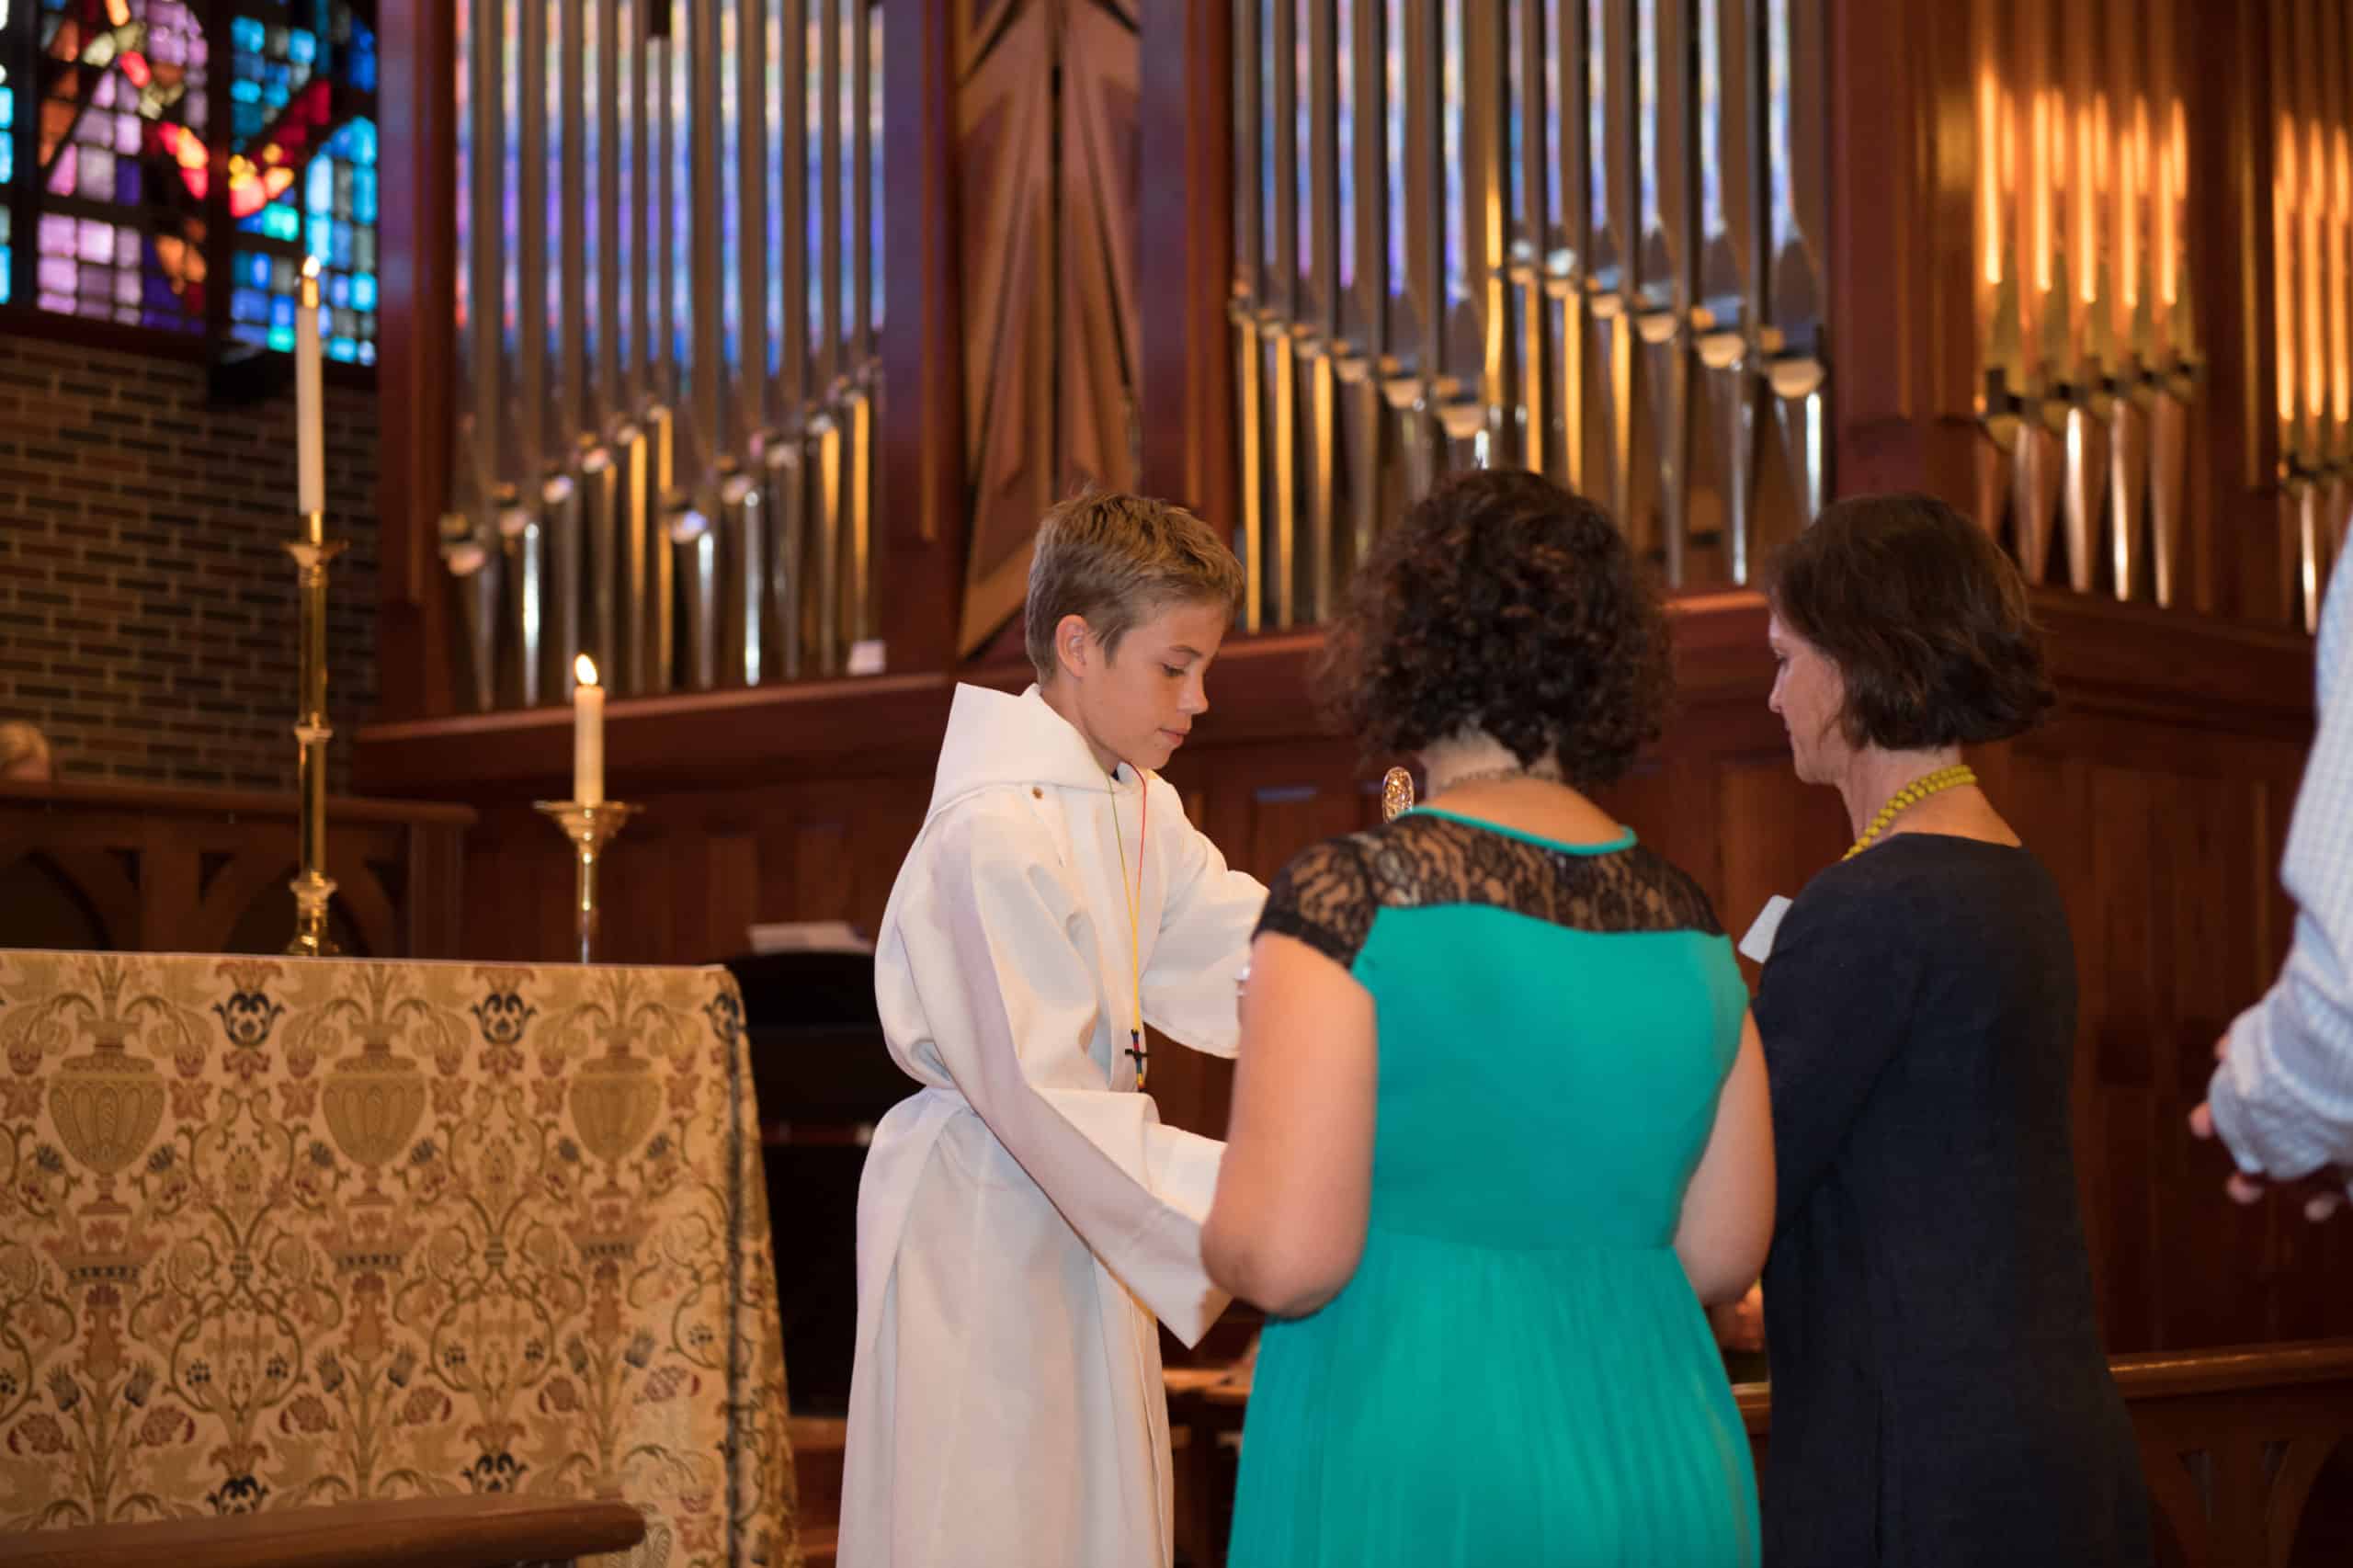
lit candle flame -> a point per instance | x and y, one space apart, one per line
584 670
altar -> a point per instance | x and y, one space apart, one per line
288 1232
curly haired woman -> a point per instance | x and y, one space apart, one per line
1500 1124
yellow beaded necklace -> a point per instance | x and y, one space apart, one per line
1912 794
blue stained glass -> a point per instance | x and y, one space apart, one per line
363 290
367 351
283 339
7 160
244 333
246 120
363 195
6 256
256 269
320 181
245 90
356 142
283 223
282 311
301 45
341 348
249 305
246 34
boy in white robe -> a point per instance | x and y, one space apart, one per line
1025 1216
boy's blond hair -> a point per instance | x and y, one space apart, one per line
1116 559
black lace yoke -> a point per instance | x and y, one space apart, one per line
1329 894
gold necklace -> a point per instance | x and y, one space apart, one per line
1910 795
1137 1053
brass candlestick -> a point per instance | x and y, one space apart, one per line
588 827
312 886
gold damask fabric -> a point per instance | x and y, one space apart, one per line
276 1233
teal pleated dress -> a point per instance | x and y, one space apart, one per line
1518 1372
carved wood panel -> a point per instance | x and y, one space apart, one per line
1045 151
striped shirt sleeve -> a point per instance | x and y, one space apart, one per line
2282 1098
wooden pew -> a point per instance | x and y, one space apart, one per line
488 1530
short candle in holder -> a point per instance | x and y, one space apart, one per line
587 734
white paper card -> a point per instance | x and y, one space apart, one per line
1758 944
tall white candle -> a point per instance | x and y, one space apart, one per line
309 432
588 734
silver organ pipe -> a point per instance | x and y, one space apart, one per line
667 286
1579 235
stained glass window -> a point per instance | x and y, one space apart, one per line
121 196
8 147
139 106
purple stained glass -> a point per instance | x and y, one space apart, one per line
63 172
56 236
57 274
97 240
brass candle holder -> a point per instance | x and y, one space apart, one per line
312 888
589 827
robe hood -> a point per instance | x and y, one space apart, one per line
995 738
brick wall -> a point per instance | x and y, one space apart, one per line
148 613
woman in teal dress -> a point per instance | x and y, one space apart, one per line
1499 1124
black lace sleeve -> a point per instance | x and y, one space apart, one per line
1323 899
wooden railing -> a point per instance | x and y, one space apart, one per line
2235 1444
484 1531
133 868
